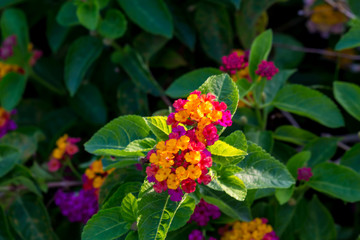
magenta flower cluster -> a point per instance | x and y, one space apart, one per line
197 235
267 69
304 173
77 207
203 212
271 236
233 63
6 49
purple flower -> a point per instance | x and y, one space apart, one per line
177 132
196 235
203 212
10 41
175 195
77 207
304 173
266 69
6 49
6 123
151 179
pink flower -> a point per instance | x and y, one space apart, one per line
159 187
179 104
266 69
54 165
71 149
232 63
304 173
151 170
188 185
226 119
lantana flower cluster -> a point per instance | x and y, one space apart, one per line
204 212
304 174
180 161
257 229
6 123
94 176
65 149
237 65
198 235
7 47
323 18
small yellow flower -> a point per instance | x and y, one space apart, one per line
194 172
181 173
162 174
173 182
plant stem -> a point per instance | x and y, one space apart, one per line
73 169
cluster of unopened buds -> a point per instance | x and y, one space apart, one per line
257 229
95 176
35 54
304 174
237 65
176 164
6 123
65 149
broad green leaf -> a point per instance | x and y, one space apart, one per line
147 44
159 127
114 24
13 22
261 170
351 158
29 184
224 89
244 87
107 224
152 15
348 95
142 145
322 149
156 214
81 55
297 161
90 105
319 223
262 138
259 51
132 236
214 28
183 214
168 58
129 208
283 195
223 149
309 103
251 20
285 58
354 6
139 73
88 14
55 33
228 205
190 81
30 219
231 185
288 133
350 39
9 156
337 181
12 87
67 15
121 162
284 215
5 233
115 136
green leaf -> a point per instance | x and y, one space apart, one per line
5 233
350 39
115 136
319 223
120 162
9 156
67 15
30 219
115 199
114 25
285 58
348 95
55 33
147 44
88 14
107 224
139 73
224 89
132 236
228 205
322 149
132 100
223 149
81 55
142 145
169 59
214 28
156 214
337 181
297 161
12 87
259 51
152 15
261 170
183 214
129 208
262 138
283 195
351 158
13 22
90 105
354 6
309 103
190 81
231 185
288 133
159 127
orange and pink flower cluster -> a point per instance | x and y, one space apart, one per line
177 163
